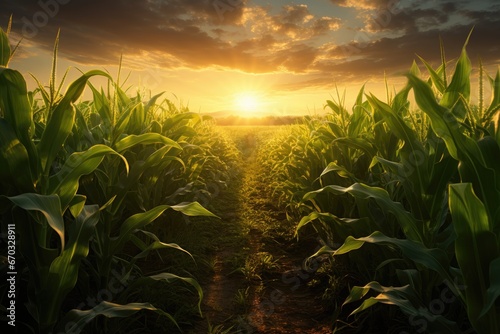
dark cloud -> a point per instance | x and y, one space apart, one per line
394 35
408 21
99 31
423 15
298 58
294 22
395 55
485 15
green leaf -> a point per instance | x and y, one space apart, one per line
77 204
139 220
407 299
15 105
493 291
431 258
124 120
157 244
169 278
152 102
4 48
66 182
48 205
459 86
193 209
495 98
411 227
61 121
475 248
101 104
473 166
14 160
63 272
412 146
341 228
444 124
157 161
341 171
358 143
496 122
437 79
144 139
76 320
133 223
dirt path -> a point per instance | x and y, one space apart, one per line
258 283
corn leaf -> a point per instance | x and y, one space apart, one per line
169 278
78 319
4 48
65 182
61 122
431 258
155 245
493 291
459 87
101 104
48 205
411 227
475 248
144 139
138 221
407 299
412 146
14 159
495 98
193 209
63 273
15 105
437 79
461 147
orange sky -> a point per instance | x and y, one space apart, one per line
278 57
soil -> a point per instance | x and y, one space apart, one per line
270 291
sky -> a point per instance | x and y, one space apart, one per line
250 56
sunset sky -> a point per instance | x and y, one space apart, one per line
278 57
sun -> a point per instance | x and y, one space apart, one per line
247 102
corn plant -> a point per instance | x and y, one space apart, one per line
408 199
473 202
46 152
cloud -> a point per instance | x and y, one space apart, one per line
97 32
293 23
364 4
191 33
237 35
391 39
395 55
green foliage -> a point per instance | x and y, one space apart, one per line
84 181
410 197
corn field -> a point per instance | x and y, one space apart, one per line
406 195
409 198
83 182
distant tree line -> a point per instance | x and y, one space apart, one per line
257 121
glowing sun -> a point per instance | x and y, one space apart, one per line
247 102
